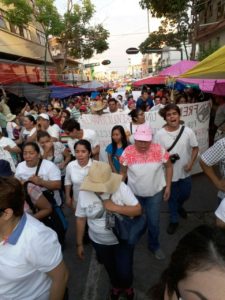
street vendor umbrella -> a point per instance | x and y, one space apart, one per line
157 80
212 67
92 85
30 91
178 68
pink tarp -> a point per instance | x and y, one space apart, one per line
178 68
206 85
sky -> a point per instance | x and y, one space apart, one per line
128 27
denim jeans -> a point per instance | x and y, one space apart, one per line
118 262
180 192
151 206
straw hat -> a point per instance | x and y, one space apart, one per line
98 105
10 117
100 178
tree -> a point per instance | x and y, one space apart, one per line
79 38
182 19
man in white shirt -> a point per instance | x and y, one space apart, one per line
183 155
43 123
72 128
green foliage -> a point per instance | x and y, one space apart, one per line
83 40
163 8
176 13
203 53
167 34
80 39
18 14
46 14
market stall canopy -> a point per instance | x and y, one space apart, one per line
157 80
93 85
178 68
30 91
206 85
64 91
212 67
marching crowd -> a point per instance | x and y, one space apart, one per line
48 160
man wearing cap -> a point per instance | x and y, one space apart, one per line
43 123
149 172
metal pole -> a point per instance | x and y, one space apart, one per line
181 54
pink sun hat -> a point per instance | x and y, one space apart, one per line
143 133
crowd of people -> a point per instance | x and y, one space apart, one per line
47 161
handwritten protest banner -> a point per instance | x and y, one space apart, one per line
195 115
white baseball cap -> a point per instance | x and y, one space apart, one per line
44 116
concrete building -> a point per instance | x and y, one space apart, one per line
211 29
22 53
72 72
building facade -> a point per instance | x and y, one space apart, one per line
22 53
211 30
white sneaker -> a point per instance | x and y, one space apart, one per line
159 254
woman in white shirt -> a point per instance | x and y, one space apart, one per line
76 171
49 176
31 263
103 191
29 131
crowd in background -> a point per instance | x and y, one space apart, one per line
47 150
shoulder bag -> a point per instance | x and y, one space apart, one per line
56 220
126 229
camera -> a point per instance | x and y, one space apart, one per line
174 158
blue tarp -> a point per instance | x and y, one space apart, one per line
64 92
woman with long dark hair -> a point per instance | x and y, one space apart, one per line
115 149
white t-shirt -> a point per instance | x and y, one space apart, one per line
27 133
54 131
89 135
220 211
90 206
183 148
23 266
9 128
145 171
48 171
5 141
75 175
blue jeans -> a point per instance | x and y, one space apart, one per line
118 262
180 192
151 206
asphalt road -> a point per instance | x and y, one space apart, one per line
88 280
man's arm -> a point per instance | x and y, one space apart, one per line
194 155
209 171
59 277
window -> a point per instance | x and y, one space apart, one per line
210 9
26 34
15 29
41 37
2 20
220 10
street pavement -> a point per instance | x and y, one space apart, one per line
89 281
